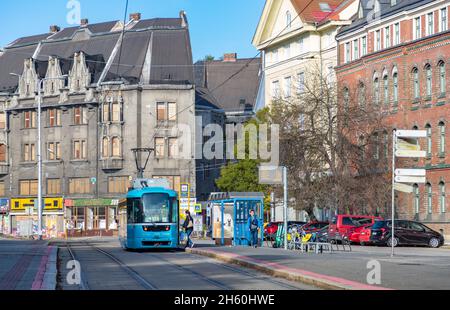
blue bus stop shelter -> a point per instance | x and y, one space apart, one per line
228 214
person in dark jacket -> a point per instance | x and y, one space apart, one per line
188 226
253 226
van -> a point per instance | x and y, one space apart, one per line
343 224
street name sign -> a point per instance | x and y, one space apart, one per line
411 133
403 188
409 179
411 172
407 145
270 175
411 154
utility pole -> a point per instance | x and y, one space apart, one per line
285 207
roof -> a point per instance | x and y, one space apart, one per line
317 10
163 40
236 94
385 10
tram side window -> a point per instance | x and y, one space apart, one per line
174 211
134 211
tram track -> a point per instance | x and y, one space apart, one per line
84 286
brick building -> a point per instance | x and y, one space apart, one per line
398 52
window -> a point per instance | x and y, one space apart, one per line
364 46
362 95
116 147
430 23
347 52
54 117
118 185
79 149
395 87
287 50
79 116
288 19
301 82
2 189
287 87
386 89
376 91
30 119
160 147
387 37
2 120
3 152
441 138
173 147
166 111
417 28
442 196
174 181
429 198
416 85
355 49
443 21
416 198
79 186
386 145
378 40
429 141
105 147
376 142
29 152
275 89
301 45
429 78
393 2
442 78
106 117
28 187
54 151
116 112
397 33
53 186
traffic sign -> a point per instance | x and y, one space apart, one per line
405 145
198 208
271 175
411 133
403 188
410 179
412 154
410 172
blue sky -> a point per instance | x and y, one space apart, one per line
216 26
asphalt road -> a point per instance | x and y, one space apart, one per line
106 266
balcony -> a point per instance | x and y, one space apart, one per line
4 169
111 163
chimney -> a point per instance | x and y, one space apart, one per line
54 29
184 21
135 17
230 57
84 22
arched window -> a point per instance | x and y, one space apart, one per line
346 104
115 112
362 95
106 117
441 138
442 79
442 196
376 91
416 84
429 81
429 198
362 148
386 90
376 146
416 198
386 144
3 152
2 120
288 19
395 88
116 147
105 147
429 140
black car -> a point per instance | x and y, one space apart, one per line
406 233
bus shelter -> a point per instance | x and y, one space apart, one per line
227 217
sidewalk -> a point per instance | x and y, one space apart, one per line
27 265
342 270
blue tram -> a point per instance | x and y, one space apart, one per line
149 216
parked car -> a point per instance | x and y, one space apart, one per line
360 234
314 226
342 225
271 229
405 233
322 235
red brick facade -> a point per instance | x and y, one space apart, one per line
429 53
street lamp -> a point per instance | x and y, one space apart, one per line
39 86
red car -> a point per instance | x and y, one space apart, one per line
361 234
343 225
313 227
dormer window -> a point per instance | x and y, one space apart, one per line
288 19
393 2
376 6
361 11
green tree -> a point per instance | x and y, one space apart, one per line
209 58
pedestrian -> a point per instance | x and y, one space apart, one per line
188 226
253 226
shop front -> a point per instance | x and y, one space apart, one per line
4 217
24 218
91 217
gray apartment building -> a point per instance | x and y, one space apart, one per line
105 92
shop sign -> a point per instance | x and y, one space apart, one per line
50 204
91 202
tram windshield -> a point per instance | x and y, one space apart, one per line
152 208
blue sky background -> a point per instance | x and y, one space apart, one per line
216 26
